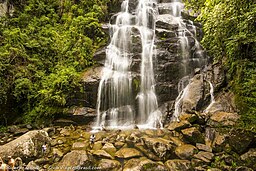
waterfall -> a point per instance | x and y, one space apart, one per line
117 106
212 98
178 103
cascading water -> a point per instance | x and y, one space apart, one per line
116 100
186 30
212 98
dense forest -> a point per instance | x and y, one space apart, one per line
230 38
44 47
46 44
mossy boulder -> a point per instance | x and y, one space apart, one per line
126 153
143 164
193 135
223 119
107 164
177 126
178 165
185 151
76 158
249 158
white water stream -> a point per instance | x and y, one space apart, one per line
117 106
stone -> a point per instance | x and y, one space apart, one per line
57 152
185 151
50 130
13 128
65 132
28 145
109 148
161 147
204 156
42 161
223 119
191 118
177 126
32 166
194 95
79 145
203 147
176 141
193 135
143 164
249 158
127 153
107 164
75 158
178 165
97 145
240 139
102 154
20 131
119 144
220 142
148 153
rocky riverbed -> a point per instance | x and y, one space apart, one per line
196 142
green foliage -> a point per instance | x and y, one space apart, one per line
44 45
230 37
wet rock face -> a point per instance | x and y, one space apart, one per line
171 62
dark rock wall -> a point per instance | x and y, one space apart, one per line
170 66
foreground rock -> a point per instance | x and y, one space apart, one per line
179 165
143 164
74 160
28 145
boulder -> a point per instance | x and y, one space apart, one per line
249 158
161 147
240 139
220 142
127 153
73 160
107 164
79 145
193 135
176 141
194 94
28 145
102 154
185 151
21 131
178 165
109 148
32 166
191 118
203 147
57 152
65 132
119 144
148 153
177 126
204 156
97 145
143 164
223 119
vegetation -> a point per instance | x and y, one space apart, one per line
230 37
44 45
